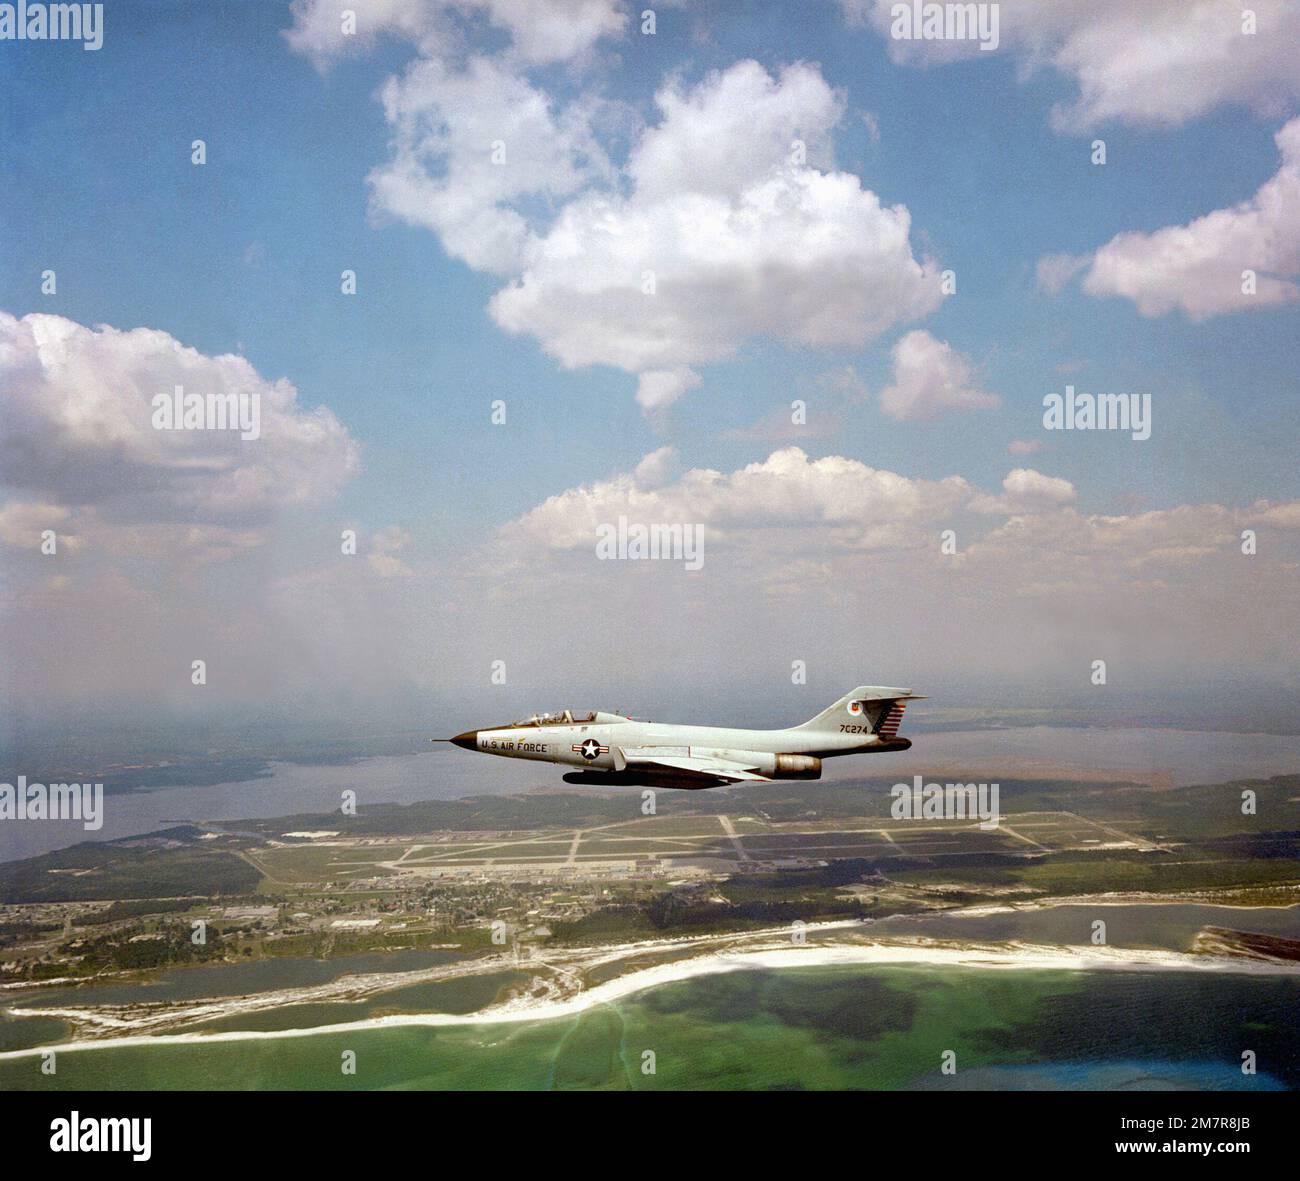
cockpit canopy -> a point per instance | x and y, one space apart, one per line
562 717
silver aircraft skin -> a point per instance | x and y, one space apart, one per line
609 749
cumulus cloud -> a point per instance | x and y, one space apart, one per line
728 219
1158 63
77 429
557 31
1031 572
121 608
1198 267
656 469
930 379
821 517
810 500
734 128
706 251
1024 491
319 30
471 141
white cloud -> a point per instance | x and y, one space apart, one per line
656 469
445 173
1158 63
1026 491
728 220
1198 267
76 428
930 379
809 258
839 531
318 25
734 128
473 139
1031 573
657 389
812 501
740 243
556 31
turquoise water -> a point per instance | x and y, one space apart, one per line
794 1028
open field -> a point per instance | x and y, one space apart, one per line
583 869
673 844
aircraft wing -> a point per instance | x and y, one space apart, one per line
688 766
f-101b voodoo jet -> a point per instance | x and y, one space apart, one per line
612 750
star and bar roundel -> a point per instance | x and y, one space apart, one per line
589 749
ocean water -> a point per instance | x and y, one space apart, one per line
1164 926
1155 926
866 1027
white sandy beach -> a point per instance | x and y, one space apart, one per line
765 954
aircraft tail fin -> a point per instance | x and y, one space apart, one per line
878 706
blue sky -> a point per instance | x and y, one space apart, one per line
243 255
98 183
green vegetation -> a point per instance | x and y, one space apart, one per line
168 943
13 933
575 868
134 910
161 865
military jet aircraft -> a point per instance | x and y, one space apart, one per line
613 750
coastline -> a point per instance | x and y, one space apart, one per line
982 909
765 955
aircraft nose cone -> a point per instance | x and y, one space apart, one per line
469 740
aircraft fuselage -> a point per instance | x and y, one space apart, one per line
610 748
